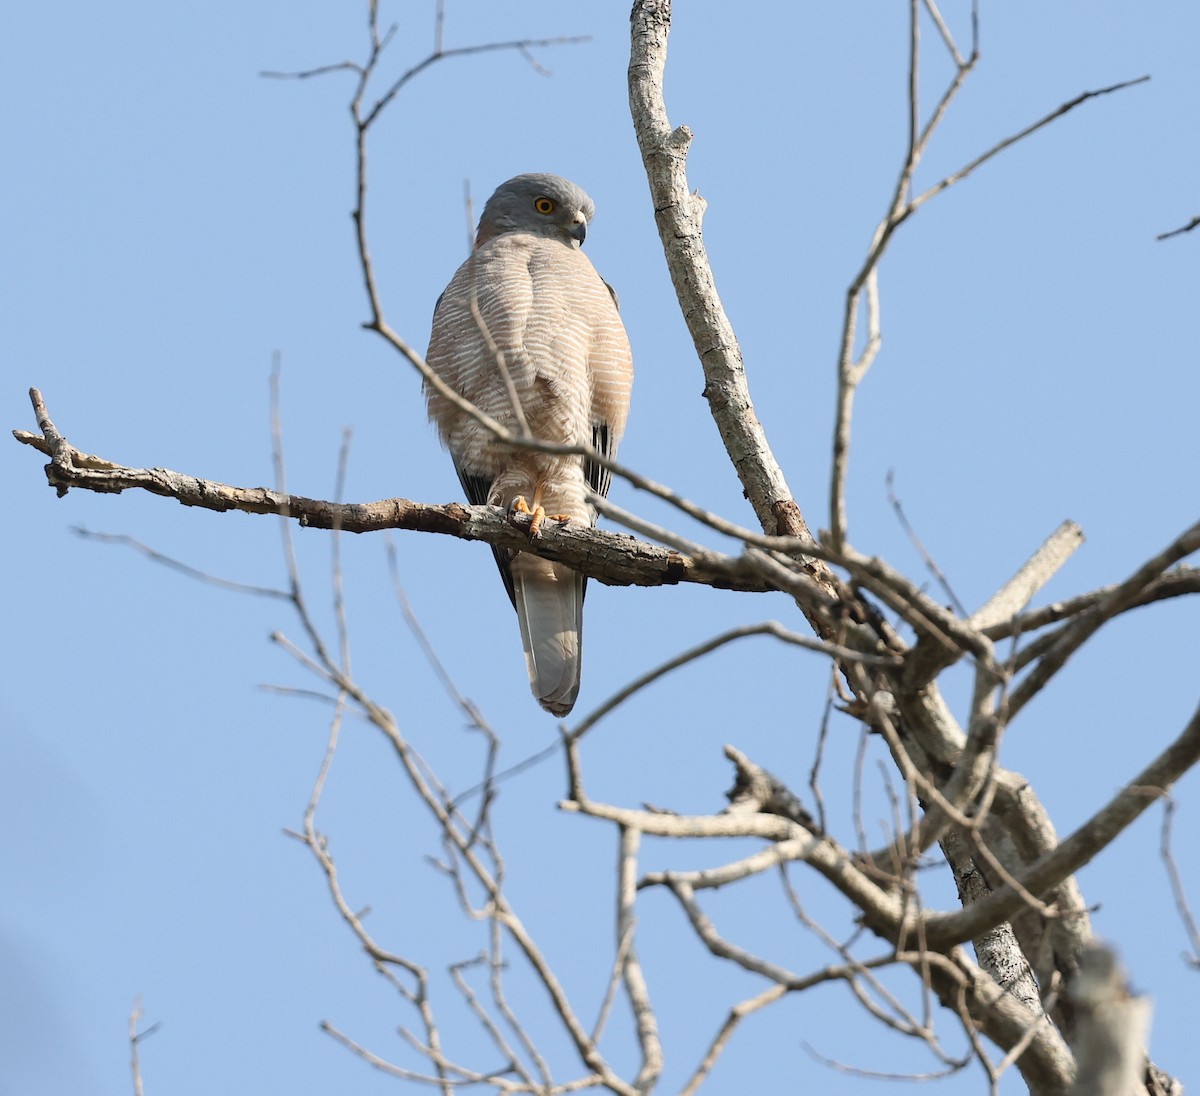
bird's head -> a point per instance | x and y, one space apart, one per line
543 205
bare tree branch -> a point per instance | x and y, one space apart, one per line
631 968
1039 569
1173 583
1121 597
135 1039
736 1015
1029 130
1193 223
1073 852
678 213
931 565
769 627
609 557
1177 889
156 556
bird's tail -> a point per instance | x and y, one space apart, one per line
549 602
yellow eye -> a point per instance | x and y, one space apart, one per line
544 206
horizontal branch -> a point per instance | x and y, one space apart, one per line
615 559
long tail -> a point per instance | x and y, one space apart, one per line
549 602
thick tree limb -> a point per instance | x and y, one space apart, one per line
1046 1064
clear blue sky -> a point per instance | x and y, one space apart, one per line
171 220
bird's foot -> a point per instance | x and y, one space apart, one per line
537 516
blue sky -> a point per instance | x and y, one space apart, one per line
173 220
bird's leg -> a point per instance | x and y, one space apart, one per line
562 519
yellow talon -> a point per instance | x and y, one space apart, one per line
537 515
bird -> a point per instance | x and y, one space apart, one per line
529 333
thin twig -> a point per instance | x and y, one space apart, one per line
769 627
614 982
1193 223
485 1020
736 1015
135 1039
1000 146
880 1074
1176 880
156 556
918 544
814 773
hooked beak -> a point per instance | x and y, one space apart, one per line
578 229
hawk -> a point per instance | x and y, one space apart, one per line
527 330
